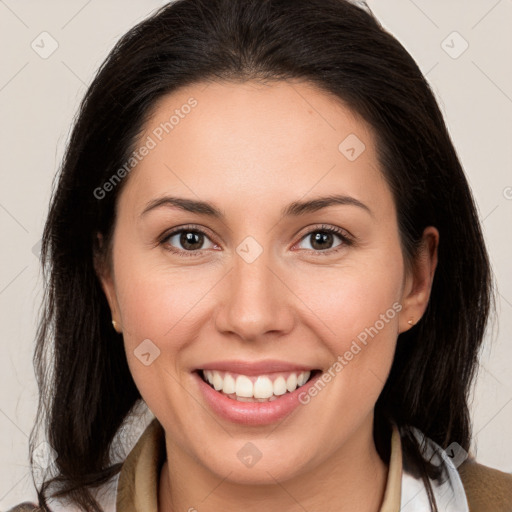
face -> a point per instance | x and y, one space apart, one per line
264 282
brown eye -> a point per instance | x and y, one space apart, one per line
186 241
323 239
191 240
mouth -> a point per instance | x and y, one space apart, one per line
256 388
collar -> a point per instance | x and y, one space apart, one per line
137 487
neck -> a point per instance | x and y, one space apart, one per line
352 478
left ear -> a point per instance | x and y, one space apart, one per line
104 273
418 281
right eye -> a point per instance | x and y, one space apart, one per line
191 240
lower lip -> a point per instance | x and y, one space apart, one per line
253 413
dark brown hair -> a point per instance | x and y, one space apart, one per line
86 389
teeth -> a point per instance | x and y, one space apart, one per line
259 389
244 386
229 385
280 386
217 381
263 388
291 382
302 379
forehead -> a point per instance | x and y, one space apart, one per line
251 141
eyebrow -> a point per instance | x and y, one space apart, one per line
294 209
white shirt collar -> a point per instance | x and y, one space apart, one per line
450 495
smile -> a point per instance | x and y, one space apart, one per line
254 399
260 388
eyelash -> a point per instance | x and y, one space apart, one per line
345 238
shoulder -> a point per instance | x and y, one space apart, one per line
104 494
487 489
24 507
480 487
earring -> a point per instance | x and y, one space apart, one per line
114 324
410 322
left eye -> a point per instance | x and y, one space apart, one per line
322 239
190 240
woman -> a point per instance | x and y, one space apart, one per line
262 231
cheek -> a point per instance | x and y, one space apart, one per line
352 298
152 306
356 310
157 300
161 306
362 321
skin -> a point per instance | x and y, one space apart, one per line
251 149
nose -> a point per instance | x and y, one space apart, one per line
256 301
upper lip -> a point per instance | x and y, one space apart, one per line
256 367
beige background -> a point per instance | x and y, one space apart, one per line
38 99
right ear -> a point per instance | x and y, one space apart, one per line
104 272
